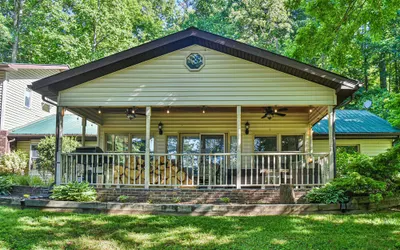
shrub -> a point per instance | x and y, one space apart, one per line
225 199
327 194
345 162
15 162
46 149
5 185
27 180
74 191
123 198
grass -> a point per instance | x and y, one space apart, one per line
33 229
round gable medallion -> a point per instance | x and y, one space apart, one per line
194 61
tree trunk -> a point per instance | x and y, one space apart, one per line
366 73
286 194
382 71
16 28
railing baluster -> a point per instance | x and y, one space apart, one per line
290 170
215 170
263 172
251 169
269 169
245 170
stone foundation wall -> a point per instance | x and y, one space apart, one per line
194 196
32 191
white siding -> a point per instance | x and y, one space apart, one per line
2 79
225 80
199 123
16 114
369 147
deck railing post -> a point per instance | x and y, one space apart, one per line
147 154
332 141
59 134
239 147
83 138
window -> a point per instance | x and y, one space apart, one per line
233 151
28 98
139 144
117 143
194 62
265 144
292 143
190 144
172 146
34 155
350 149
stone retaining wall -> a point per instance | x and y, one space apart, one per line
357 205
32 191
194 196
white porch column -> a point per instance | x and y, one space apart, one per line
147 155
331 126
239 147
59 134
83 137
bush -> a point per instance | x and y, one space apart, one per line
15 162
46 150
26 180
327 194
359 174
345 161
74 191
5 185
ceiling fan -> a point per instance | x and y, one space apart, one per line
270 112
131 113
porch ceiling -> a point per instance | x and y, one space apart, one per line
92 113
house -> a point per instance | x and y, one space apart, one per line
20 105
26 138
200 110
356 131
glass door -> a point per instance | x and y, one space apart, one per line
213 166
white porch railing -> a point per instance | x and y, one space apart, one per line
197 170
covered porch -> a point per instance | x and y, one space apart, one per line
200 147
194 109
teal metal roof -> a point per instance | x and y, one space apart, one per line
356 122
47 126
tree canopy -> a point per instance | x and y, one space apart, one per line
356 38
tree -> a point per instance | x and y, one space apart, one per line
47 148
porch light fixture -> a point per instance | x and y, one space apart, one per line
160 128
247 127
204 109
168 110
99 111
310 110
62 112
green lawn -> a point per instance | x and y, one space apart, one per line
32 229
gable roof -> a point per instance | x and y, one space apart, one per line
50 86
47 126
356 122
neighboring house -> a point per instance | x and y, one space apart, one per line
26 138
186 110
18 104
356 130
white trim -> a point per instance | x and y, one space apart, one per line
4 100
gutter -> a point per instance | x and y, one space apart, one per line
49 102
